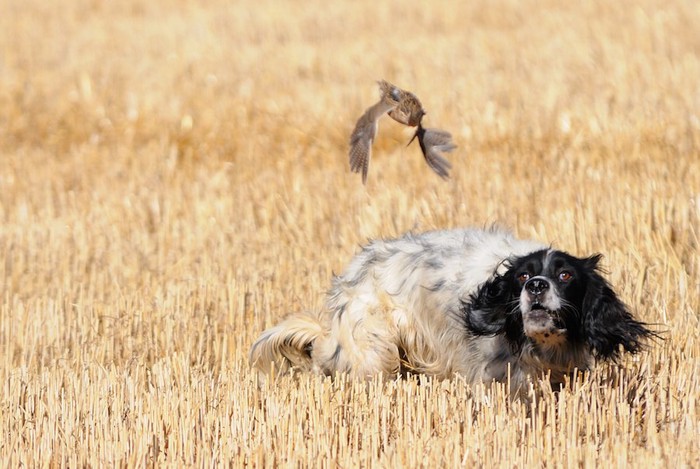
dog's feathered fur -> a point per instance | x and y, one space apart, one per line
446 302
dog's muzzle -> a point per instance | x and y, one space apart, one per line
540 306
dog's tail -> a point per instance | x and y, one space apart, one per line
286 345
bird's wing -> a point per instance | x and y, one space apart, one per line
366 129
361 144
433 143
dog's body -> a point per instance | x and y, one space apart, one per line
478 303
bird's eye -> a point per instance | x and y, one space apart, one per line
523 277
565 276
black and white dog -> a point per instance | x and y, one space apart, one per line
478 303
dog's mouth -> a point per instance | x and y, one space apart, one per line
544 325
540 311
537 306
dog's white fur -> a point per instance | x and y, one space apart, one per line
398 305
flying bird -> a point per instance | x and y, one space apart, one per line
404 107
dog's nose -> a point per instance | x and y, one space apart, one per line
536 286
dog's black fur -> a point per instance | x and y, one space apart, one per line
593 315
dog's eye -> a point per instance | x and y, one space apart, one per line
523 277
565 276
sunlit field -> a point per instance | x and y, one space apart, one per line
174 179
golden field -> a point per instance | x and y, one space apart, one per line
174 179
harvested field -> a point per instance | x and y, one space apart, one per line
174 179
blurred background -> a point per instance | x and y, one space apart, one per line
174 178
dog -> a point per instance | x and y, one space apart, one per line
472 302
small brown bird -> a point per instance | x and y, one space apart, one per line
404 107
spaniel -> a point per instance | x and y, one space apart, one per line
478 303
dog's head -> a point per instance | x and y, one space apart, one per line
554 299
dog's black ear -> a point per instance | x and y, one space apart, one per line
485 312
592 262
608 323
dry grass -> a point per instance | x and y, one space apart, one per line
174 179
